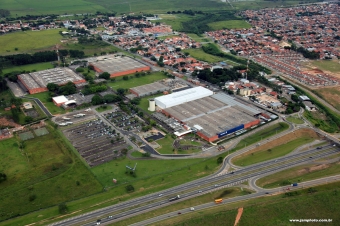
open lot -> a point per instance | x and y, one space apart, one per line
96 142
229 24
276 148
29 41
133 82
327 66
42 174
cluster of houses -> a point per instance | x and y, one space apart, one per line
315 28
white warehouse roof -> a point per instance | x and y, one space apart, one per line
60 99
182 97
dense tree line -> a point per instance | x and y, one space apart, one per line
3 84
94 88
22 59
217 76
67 89
108 98
305 52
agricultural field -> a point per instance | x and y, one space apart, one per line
133 81
300 174
29 41
228 24
47 101
331 95
41 172
276 148
29 67
320 202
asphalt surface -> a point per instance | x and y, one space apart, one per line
189 190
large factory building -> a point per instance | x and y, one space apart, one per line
211 116
36 82
118 66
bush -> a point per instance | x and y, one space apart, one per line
62 208
129 188
32 197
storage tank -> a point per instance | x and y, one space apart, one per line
152 105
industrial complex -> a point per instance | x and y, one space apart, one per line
36 82
117 65
211 116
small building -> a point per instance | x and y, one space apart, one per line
304 98
27 105
309 106
59 100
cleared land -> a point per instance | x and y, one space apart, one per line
210 197
29 67
42 174
295 120
29 41
133 81
299 174
229 24
276 148
320 202
331 95
332 66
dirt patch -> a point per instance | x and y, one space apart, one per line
238 216
313 168
141 189
4 122
282 140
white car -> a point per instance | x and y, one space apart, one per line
192 208
160 195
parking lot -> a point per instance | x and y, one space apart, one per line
124 121
96 141
75 117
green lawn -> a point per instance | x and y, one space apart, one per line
200 38
174 20
166 145
199 54
320 202
133 82
278 151
327 65
45 169
299 174
47 101
29 67
103 108
262 134
91 50
229 24
29 41
295 120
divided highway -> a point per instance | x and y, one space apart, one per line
198 187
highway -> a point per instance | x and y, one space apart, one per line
192 189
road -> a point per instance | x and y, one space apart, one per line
192 189
41 105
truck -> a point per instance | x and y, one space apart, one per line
218 201
174 198
294 185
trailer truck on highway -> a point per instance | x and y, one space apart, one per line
218 201
174 198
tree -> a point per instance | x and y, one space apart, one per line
105 75
121 91
28 119
129 188
96 99
219 160
62 208
125 78
3 177
52 87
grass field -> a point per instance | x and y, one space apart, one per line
210 197
47 101
174 20
200 38
29 41
327 65
43 174
199 54
29 67
295 120
229 24
90 50
133 82
266 154
103 108
299 174
321 121
262 134
144 102
321 202
331 95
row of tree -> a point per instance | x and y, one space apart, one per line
22 59
108 98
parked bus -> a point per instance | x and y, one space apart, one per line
218 201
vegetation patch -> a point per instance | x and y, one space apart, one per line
228 24
46 99
331 95
295 120
103 108
199 54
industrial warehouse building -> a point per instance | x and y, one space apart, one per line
149 89
182 97
117 65
211 116
36 82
